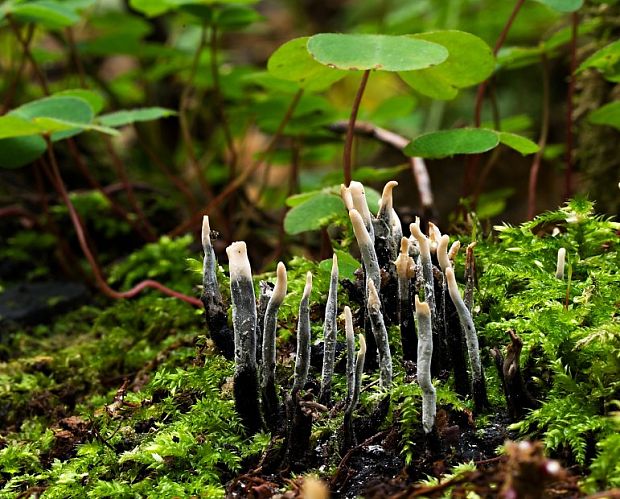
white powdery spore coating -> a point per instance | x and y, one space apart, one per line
425 354
467 323
421 239
442 252
206 233
386 202
559 269
238 262
345 194
279 291
358 194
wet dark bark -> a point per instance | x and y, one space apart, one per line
217 325
247 403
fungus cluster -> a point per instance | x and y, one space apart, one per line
404 281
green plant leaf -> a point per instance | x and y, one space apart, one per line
312 213
292 62
609 114
347 265
450 142
381 52
121 118
50 14
19 151
64 108
14 126
234 17
519 143
606 60
470 61
96 100
52 125
563 5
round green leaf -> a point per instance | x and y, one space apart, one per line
563 5
20 151
450 142
470 61
14 126
69 109
347 265
609 115
95 99
382 52
313 213
519 143
292 62
46 13
121 118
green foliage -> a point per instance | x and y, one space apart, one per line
609 115
605 60
569 328
380 52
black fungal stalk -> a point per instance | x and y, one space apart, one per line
354 394
246 388
381 336
215 309
405 269
268 366
329 335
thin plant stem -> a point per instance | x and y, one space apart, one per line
232 187
219 104
121 171
183 122
542 141
76 57
348 145
28 53
570 94
83 240
10 93
472 164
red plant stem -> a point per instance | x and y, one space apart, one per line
472 164
232 187
121 171
183 122
542 142
348 145
219 105
10 93
28 53
569 108
82 238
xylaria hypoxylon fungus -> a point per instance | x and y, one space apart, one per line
329 334
559 268
246 388
268 365
358 195
367 248
425 354
302 361
381 337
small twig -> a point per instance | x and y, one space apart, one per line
10 93
83 240
398 142
542 141
75 56
26 49
219 104
232 187
348 145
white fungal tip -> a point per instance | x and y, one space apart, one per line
335 265
421 307
386 200
404 245
454 250
361 233
358 196
279 291
404 263
348 323
373 296
419 237
434 233
238 263
345 194
362 350
452 286
206 233
308 287
442 252
559 269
